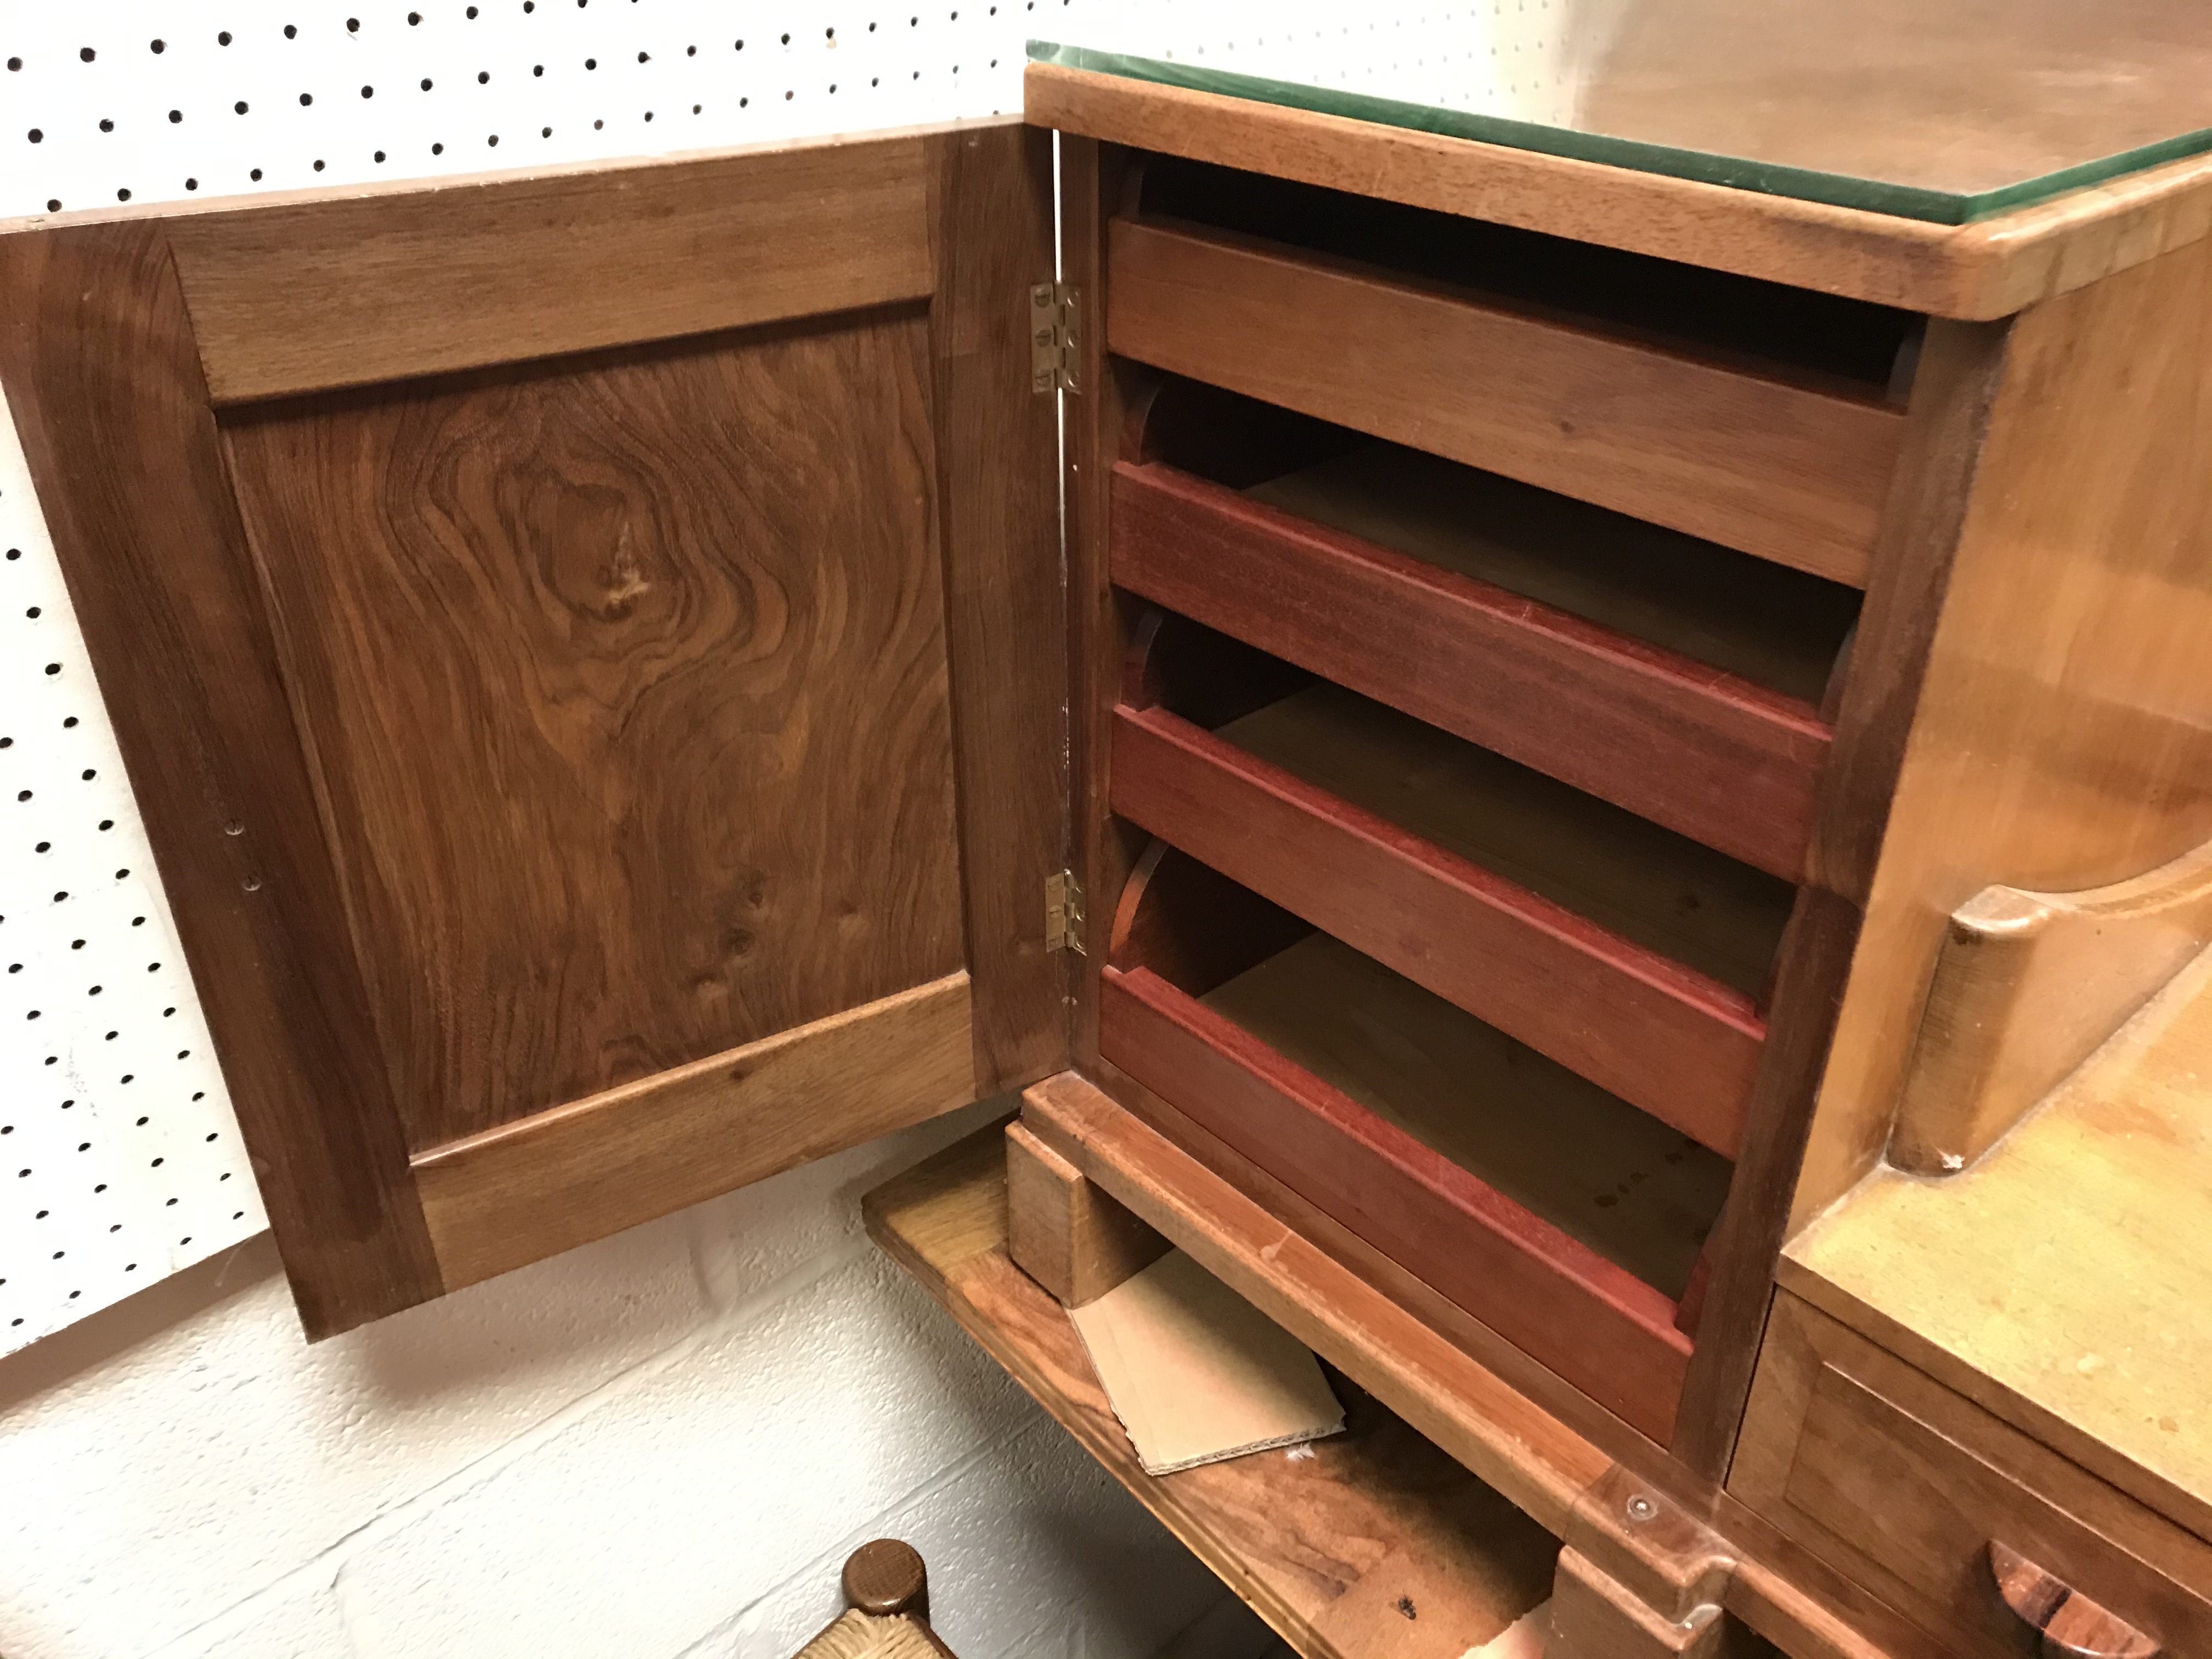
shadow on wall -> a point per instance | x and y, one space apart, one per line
100 1339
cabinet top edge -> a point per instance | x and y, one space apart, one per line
1984 270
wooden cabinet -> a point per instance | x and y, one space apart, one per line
1536 653
588 650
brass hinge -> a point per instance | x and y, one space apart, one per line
1054 338
1063 912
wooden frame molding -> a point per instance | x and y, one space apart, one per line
1974 272
546 1184
325 294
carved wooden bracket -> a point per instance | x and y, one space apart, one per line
2027 986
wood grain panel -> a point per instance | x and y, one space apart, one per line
997 446
549 1182
2060 738
1708 755
1589 1319
628 689
352 290
1668 1040
1784 471
1977 271
96 354
1331 1547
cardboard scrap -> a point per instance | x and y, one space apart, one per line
1197 1373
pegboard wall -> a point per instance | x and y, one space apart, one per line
119 1160
119 1154
1525 60
141 102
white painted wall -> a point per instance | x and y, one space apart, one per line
662 1444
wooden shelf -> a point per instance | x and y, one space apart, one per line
1712 755
1663 891
1330 1549
1558 1214
1765 623
1620 1181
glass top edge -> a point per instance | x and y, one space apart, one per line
1703 166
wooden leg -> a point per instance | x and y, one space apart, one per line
1593 1617
1064 1232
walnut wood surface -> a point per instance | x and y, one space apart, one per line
105 385
1770 468
997 446
559 638
351 291
1901 1483
1330 1548
2062 734
1593 1321
562 1177
1977 271
1713 756
1671 1041
1066 1232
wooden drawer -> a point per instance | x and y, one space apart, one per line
1558 1214
1709 754
1904 1487
1384 831
1766 463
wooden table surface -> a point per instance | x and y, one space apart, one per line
2064 1282
1377 1543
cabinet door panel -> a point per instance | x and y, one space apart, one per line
543 694
627 680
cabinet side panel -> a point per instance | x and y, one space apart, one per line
998 459
1960 369
104 374
2062 735
625 682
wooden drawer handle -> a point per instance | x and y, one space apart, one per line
2072 1626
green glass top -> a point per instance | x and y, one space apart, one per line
1941 110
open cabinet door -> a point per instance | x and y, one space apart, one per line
588 649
